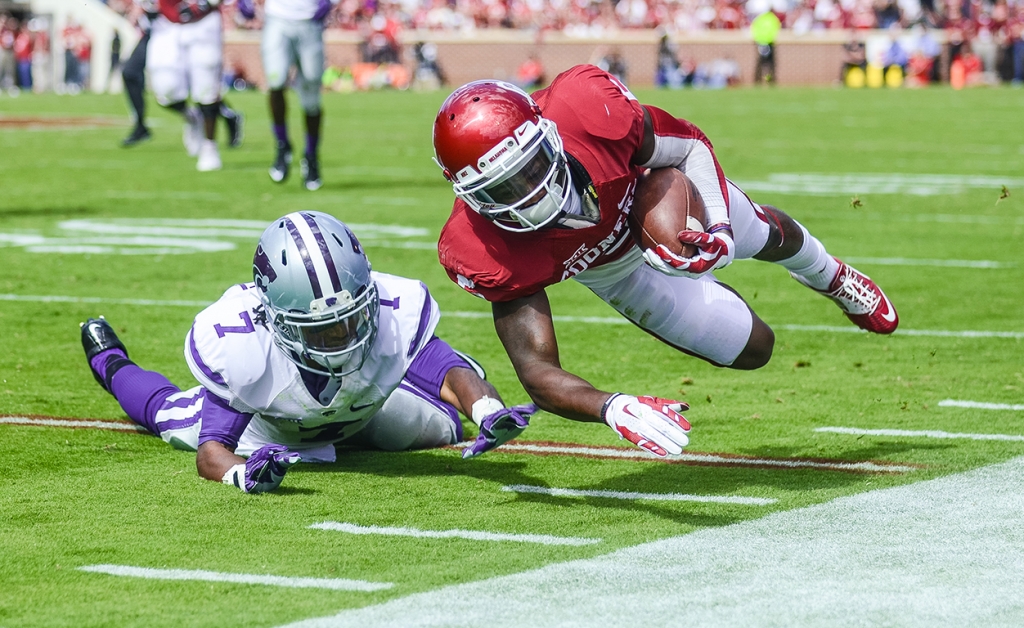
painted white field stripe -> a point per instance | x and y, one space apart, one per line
698 458
922 433
337 584
597 320
906 261
101 300
665 497
944 552
979 405
472 535
941 333
103 425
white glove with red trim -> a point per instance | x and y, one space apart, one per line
715 250
650 423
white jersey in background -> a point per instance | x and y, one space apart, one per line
291 9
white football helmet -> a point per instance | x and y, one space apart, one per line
503 158
314 280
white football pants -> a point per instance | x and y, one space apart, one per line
185 60
698 315
409 419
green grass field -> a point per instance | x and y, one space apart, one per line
89 228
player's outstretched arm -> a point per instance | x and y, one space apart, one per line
526 329
477 398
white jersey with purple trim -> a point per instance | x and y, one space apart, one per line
230 350
291 9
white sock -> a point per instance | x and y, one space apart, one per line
812 263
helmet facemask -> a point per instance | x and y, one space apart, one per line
334 337
522 184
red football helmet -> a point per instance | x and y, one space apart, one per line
503 158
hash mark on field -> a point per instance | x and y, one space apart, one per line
76 423
337 584
472 535
670 497
979 405
699 458
922 433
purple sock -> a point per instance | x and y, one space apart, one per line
281 133
141 393
98 363
312 143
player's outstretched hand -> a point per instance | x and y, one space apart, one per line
650 423
264 469
714 251
247 8
500 427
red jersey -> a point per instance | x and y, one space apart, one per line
170 9
602 127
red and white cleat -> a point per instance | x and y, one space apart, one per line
863 302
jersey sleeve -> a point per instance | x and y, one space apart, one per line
221 422
406 304
680 144
225 349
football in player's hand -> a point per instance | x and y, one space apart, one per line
666 202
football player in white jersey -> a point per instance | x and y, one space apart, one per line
293 36
317 350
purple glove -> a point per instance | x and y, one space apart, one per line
247 8
500 427
264 469
323 7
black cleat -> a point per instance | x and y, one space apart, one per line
98 336
137 136
236 127
311 173
282 163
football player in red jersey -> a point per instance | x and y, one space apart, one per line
184 58
544 185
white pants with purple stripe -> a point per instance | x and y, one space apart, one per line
409 419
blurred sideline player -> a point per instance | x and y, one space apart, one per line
539 203
293 36
317 350
184 59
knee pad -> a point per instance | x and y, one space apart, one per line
309 96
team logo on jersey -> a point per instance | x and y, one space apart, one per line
585 256
263 271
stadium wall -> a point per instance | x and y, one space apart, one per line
810 59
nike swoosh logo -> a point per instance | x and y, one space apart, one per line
890 314
355 408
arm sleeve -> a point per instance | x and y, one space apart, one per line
221 422
431 365
681 145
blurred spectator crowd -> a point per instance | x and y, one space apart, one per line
987 36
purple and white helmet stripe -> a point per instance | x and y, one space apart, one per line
332 271
319 268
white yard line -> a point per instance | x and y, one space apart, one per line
853 431
43 422
693 457
471 535
979 405
597 320
669 497
337 584
945 552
